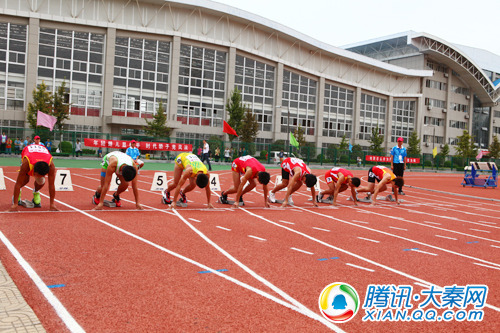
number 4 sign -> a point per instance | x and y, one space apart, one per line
214 182
63 181
159 181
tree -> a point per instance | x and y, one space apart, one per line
42 101
249 127
344 144
158 126
445 151
465 145
298 133
236 112
61 106
376 141
494 148
413 144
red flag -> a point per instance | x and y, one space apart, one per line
228 129
43 119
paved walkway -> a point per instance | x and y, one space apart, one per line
15 313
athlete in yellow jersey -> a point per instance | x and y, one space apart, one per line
187 166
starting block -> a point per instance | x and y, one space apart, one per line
231 202
108 203
181 204
27 204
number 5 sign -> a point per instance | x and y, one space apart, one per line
159 182
63 181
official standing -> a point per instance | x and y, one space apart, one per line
398 161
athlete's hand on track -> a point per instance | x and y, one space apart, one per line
315 204
98 207
236 205
210 206
267 205
53 208
13 208
138 206
283 205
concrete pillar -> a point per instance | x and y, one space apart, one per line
320 98
356 116
388 123
107 93
279 109
175 55
31 62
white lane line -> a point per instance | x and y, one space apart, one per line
286 222
399 228
296 210
370 240
498 247
321 229
476 263
432 254
432 222
423 285
375 263
306 252
194 220
360 267
293 305
61 311
360 221
222 228
445 237
258 238
249 201
487 222
480 230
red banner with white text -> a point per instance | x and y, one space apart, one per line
121 144
387 159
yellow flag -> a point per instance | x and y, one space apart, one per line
434 151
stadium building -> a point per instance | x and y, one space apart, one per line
120 59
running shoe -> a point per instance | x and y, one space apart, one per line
290 201
401 193
37 201
223 198
96 198
116 200
166 198
241 201
272 197
319 197
183 198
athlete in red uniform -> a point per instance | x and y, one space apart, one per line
36 162
248 167
299 172
383 176
338 180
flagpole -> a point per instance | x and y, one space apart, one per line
288 129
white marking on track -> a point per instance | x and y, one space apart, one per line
487 222
194 220
360 221
299 250
498 247
476 263
257 238
481 230
445 237
399 228
218 226
286 222
370 240
321 229
360 267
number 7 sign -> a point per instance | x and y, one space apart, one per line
63 181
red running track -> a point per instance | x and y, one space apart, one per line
123 270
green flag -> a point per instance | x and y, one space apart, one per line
293 141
